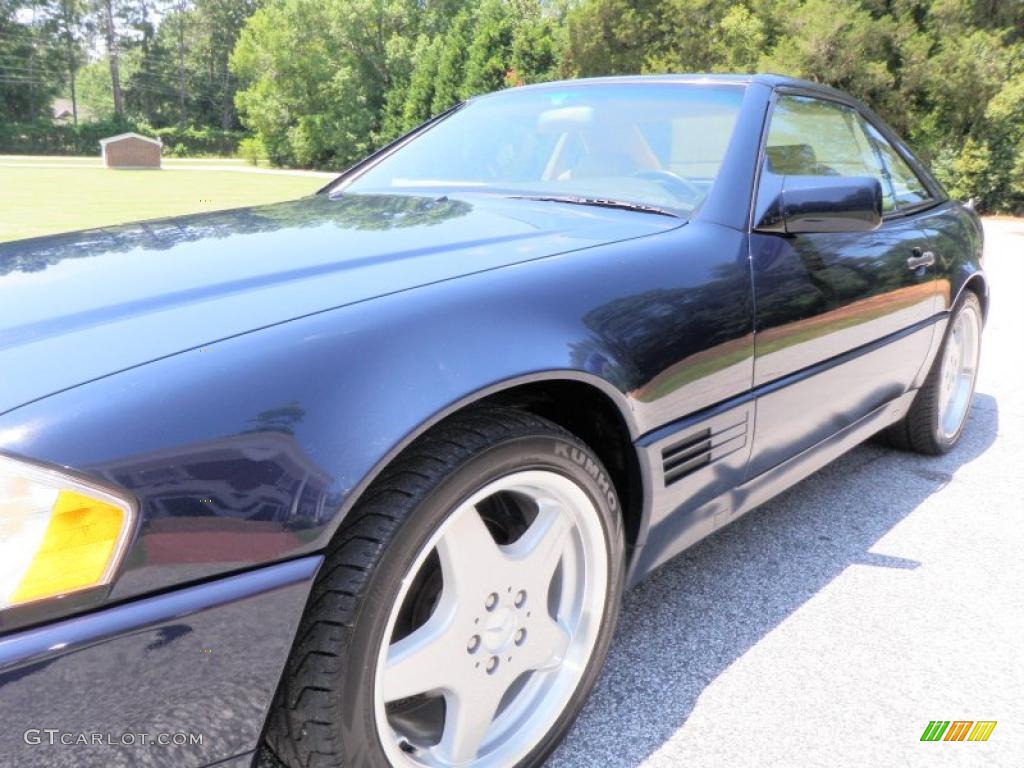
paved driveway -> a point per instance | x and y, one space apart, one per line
827 627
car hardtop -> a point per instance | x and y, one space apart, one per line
770 80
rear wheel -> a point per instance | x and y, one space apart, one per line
464 613
937 416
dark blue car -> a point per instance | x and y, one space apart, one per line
363 476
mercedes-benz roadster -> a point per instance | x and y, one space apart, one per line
363 476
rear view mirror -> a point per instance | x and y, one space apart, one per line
804 204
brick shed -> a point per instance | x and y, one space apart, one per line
130 150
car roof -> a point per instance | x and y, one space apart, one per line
769 79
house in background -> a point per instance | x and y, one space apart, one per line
62 111
131 150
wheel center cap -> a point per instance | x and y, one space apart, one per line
500 629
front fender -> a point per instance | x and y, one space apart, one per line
251 450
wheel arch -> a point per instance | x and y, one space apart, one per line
584 404
977 284
593 416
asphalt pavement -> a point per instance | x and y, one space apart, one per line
829 626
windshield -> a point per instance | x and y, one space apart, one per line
658 145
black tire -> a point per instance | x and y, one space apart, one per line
920 429
323 714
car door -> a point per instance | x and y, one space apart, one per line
948 226
842 319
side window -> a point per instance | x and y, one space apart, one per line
906 185
814 137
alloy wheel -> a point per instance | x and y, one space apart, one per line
493 626
959 370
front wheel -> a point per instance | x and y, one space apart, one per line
936 418
466 609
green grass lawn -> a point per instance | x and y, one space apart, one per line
44 195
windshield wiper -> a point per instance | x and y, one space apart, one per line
599 202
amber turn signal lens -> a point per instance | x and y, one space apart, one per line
58 534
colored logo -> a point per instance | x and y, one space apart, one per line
958 730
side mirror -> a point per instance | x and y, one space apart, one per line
804 204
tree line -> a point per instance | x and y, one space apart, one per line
322 82
162 62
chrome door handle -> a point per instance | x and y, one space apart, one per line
919 259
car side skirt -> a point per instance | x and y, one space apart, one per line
663 544
697 470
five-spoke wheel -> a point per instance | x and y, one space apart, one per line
959 369
939 412
512 626
466 615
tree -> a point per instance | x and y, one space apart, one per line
318 72
610 37
413 105
841 45
30 70
537 44
68 21
218 24
94 87
124 26
451 64
739 39
182 55
110 35
489 55
181 20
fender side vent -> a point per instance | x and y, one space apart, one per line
700 449
681 459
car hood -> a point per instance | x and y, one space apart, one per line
79 306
